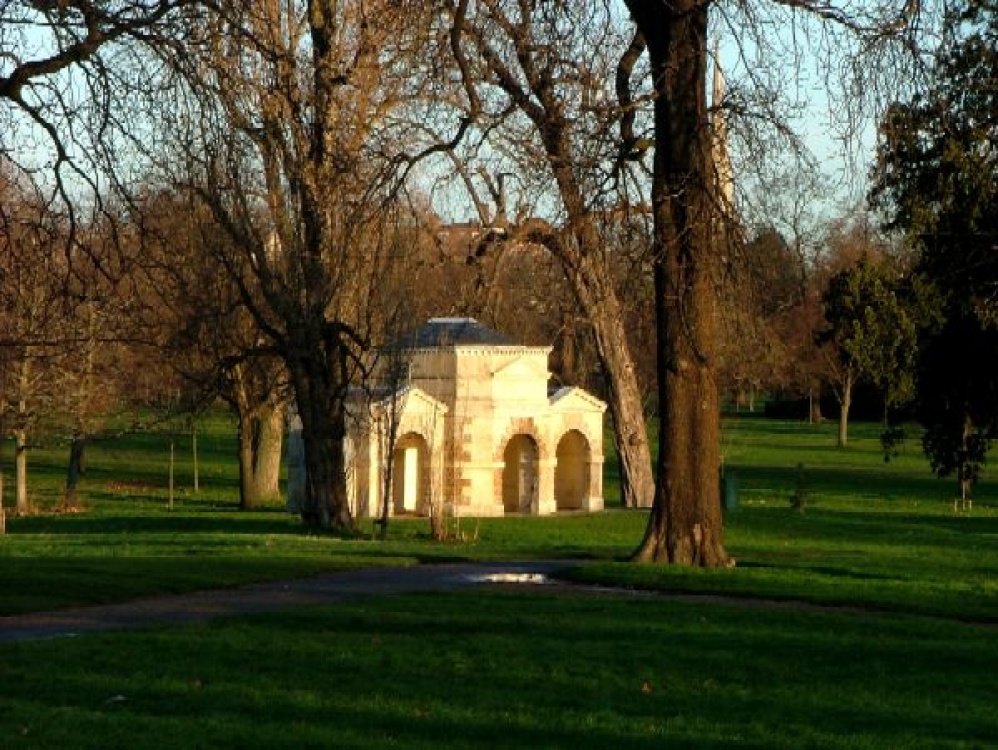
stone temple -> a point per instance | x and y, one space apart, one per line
477 430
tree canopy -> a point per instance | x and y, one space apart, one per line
935 180
872 332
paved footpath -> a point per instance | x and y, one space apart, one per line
266 597
198 606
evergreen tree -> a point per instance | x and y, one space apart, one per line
935 179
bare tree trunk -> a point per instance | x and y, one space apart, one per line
321 394
964 475
74 472
267 461
630 433
261 432
637 483
194 456
845 403
685 525
172 475
248 497
2 517
21 439
388 440
21 471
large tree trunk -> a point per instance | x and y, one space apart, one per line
270 446
685 525
321 392
248 497
261 431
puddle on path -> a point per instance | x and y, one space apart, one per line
529 578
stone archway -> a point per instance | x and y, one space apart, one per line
520 475
571 474
410 472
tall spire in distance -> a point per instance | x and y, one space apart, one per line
723 173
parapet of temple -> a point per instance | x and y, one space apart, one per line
476 429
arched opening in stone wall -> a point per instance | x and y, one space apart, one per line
519 475
410 472
571 474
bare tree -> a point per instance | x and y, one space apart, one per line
388 398
288 140
67 68
193 311
92 372
536 78
32 316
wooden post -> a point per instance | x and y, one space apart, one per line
194 448
170 492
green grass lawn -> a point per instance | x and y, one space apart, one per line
873 534
493 669
490 668
881 535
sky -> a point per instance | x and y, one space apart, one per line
781 64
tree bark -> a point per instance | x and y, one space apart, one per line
21 471
74 472
267 462
963 473
261 430
260 439
320 386
685 525
630 433
21 438
845 403
194 456
248 496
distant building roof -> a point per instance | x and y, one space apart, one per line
453 332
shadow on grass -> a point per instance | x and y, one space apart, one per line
166 523
874 527
482 670
825 570
859 482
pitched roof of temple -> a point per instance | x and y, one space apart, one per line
452 332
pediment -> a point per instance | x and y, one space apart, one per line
527 366
420 398
416 399
572 399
